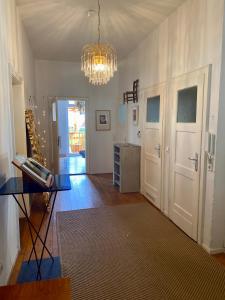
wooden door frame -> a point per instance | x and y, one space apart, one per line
206 72
158 89
51 100
15 79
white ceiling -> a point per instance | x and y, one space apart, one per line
58 29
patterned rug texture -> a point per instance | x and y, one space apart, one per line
133 252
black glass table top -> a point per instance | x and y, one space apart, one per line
18 185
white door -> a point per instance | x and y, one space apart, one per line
152 150
55 139
187 96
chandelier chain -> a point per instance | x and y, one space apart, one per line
99 22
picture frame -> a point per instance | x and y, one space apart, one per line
103 120
135 115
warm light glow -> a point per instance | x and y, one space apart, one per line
99 62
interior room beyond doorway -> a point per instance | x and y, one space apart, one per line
72 137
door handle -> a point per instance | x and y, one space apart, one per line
195 159
158 149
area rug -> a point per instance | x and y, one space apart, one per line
49 270
133 252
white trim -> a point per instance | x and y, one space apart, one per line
213 251
205 71
14 79
155 90
205 125
87 126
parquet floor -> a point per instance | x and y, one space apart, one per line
87 192
56 289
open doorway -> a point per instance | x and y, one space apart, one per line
71 136
18 129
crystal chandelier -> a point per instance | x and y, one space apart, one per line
99 61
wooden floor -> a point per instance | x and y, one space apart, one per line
87 192
56 289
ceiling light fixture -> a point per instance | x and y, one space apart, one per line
99 61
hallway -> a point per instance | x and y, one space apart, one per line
87 192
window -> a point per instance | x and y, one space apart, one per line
187 105
153 109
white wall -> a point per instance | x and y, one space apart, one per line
12 49
65 79
27 66
188 39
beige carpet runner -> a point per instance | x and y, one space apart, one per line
134 252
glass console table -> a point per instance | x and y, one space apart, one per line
16 186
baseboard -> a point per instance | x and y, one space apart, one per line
213 251
16 256
99 173
12 267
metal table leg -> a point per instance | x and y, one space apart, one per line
47 230
32 239
39 229
30 231
31 226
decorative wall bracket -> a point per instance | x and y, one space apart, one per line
132 95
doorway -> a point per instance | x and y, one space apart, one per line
71 136
18 129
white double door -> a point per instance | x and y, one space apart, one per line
183 148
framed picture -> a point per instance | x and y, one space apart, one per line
135 113
103 120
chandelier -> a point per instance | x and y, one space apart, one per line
99 61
